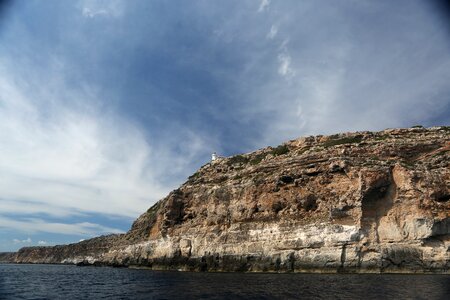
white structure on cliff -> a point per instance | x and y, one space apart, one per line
216 157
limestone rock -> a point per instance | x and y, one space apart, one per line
352 202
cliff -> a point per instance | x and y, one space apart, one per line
6 257
353 202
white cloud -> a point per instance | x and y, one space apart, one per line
337 74
87 12
42 243
285 68
61 155
264 4
34 225
273 32
96 8
27 241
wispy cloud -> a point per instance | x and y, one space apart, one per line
70 157
26 241
66 153
63 155
96 8
264 4
327 76
87 12
34 225
285 68
273 32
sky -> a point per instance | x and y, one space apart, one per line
106 106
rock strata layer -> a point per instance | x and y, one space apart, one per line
353 202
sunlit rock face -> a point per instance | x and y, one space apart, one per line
353 202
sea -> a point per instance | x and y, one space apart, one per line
71 282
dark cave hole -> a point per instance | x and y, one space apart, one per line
443 198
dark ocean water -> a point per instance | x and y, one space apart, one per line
71 282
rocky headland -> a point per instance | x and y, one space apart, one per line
6 257
352 202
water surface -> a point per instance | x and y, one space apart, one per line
71 282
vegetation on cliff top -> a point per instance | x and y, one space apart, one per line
341 141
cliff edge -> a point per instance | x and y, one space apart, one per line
352 202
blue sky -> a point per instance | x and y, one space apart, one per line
106 106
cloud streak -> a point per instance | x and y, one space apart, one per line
72 160
97 8
273 32
34 225
63 154
285 68
264 4
345 74
27 241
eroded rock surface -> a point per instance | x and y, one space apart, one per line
6 257
353 202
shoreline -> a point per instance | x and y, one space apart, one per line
310 272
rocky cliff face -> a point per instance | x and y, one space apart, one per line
354 202
6 257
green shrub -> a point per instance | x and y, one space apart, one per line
194 176
382 137
221 179
258 158
346 140
237 159
408 164
258 180
280 150
152 210
443 152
